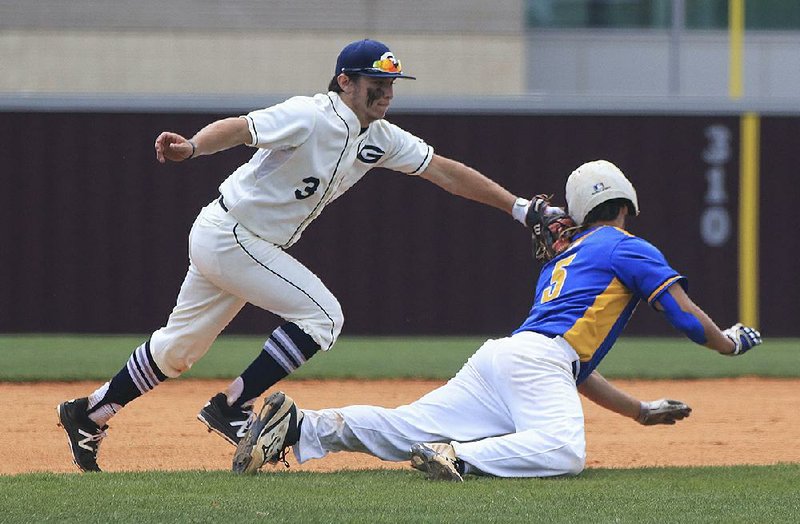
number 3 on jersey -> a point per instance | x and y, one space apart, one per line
310 189
557 279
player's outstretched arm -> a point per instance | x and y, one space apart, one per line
698 326
217 136
663 411
461 180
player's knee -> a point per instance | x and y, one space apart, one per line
325 327
573 460
171 362
337 321
175 355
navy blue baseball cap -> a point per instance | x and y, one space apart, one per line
369 58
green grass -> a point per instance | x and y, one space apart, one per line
94 357
740 494
684 495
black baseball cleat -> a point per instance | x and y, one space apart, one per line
275 429
228 422
83 434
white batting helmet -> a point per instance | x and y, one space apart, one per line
594 183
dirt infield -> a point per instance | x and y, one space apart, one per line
735 421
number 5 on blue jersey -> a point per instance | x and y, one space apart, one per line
557 279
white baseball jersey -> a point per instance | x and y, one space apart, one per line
310 151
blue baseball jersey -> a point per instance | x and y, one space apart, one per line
588 292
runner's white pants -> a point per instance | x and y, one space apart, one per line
228 267
512 411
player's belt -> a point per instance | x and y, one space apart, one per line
221 201
576 368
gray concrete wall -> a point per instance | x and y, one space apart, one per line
466 47
456 47
140 62
639 63
362 16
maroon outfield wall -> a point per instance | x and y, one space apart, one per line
95 230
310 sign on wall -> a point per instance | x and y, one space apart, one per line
715 222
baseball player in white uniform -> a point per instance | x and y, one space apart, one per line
309 151
513 410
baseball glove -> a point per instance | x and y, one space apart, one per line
663 411
552 229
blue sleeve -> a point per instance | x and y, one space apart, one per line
686 322
643 269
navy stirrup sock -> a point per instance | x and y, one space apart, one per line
286 350
139 375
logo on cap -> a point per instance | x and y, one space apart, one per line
599 188
370 58
388 63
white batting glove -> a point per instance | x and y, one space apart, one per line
662 411
744 338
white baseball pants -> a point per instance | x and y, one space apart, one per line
511 411
228 267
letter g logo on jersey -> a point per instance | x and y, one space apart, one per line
370 154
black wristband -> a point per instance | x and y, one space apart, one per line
194 148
